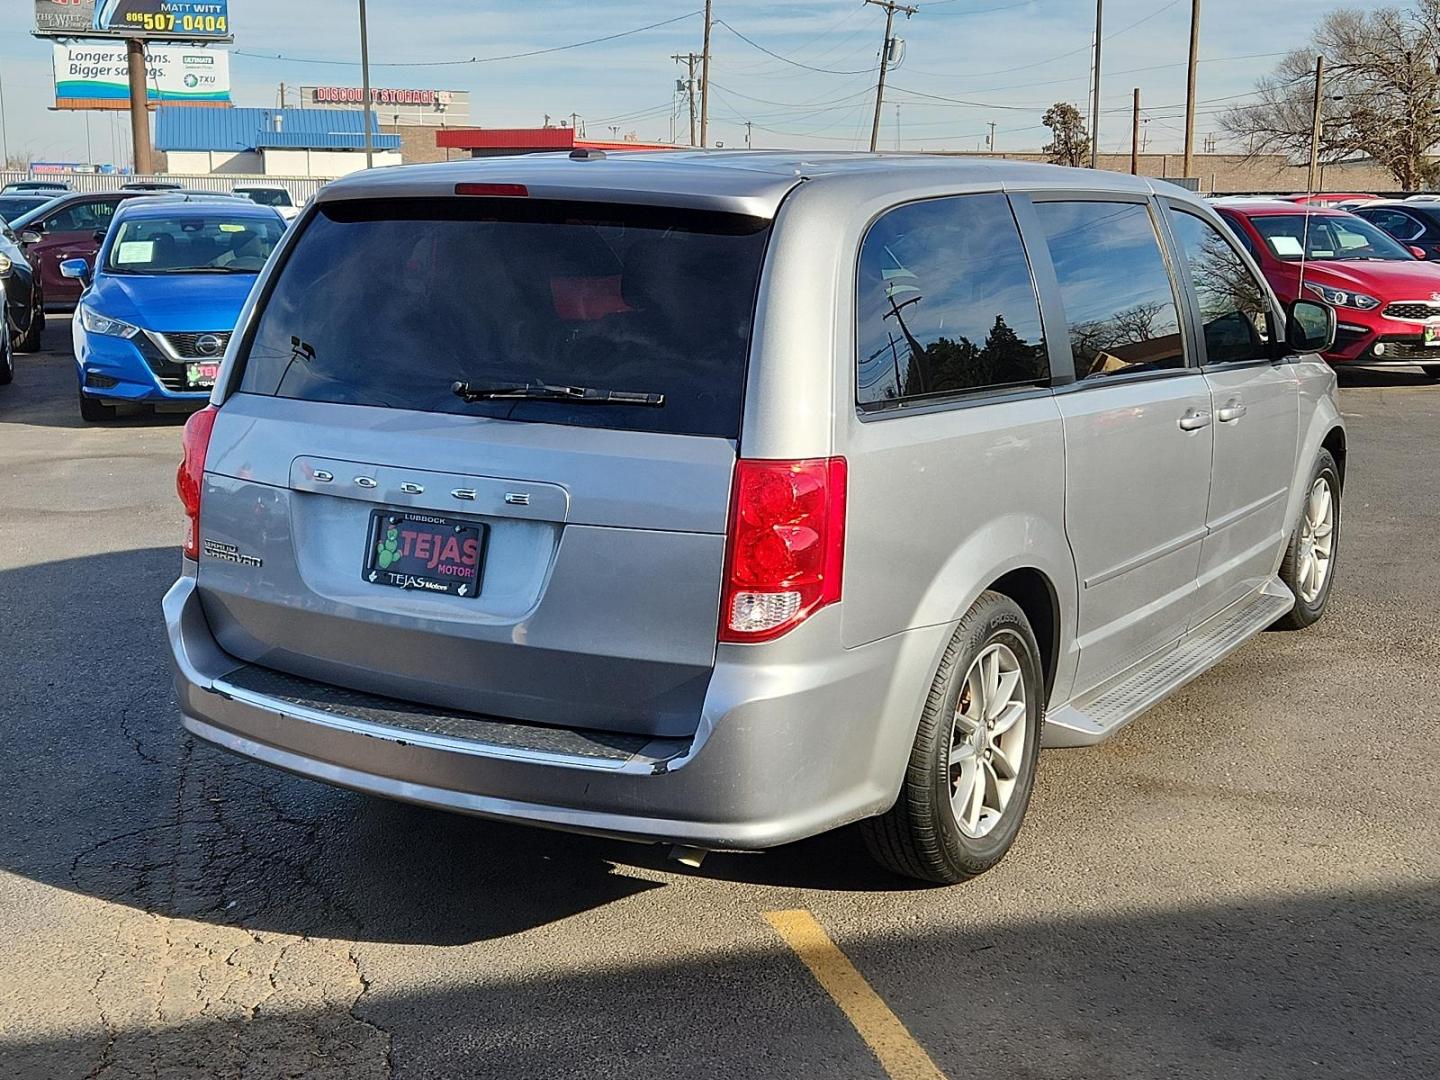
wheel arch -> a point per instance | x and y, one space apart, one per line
1036 595
1028 559
1334 441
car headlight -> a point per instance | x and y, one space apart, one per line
1341 298
95 323
6 265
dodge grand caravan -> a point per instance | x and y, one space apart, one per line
721 499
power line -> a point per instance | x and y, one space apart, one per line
475 59
965 101
794 104
785 59
1050 60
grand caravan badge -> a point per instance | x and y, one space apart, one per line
214 549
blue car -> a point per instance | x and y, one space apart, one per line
162 299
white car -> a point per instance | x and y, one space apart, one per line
271 195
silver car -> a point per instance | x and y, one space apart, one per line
722 499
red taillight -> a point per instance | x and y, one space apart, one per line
786 548
190 477
513 191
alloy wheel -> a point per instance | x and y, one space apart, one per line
987 740
1317 540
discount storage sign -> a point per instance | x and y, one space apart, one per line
96 76
155 20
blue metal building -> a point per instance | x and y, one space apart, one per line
265 141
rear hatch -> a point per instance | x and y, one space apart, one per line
500 547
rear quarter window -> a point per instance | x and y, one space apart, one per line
946 304
389 303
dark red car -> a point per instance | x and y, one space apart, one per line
1387 300
68 227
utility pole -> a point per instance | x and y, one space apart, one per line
1135 136
991 143
748 126
1315 124
139 106
890 7
705 80
365 86
1095 93
688 59
1190 87
575 125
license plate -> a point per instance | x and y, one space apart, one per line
1432 333
201 376
424 552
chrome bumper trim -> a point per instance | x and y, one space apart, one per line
640 763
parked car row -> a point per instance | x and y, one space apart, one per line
50 238
161 298
1386 295
712 402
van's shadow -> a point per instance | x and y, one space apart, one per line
114 800
1359 377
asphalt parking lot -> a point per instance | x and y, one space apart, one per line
1245 883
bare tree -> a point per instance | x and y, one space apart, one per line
1069 140
1381 95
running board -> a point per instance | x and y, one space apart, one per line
1094 719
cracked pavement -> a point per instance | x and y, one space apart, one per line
1244 883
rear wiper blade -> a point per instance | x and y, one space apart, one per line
572 395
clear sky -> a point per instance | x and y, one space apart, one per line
966 63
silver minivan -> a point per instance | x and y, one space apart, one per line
721 499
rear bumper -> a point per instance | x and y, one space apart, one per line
786 747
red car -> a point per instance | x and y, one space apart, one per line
1329 198
68 227
1386 299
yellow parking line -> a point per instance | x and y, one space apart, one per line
900 1055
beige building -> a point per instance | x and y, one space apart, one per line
1222 173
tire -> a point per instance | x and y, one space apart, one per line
1303 554
922 836
7 357
1432 370
30 341
94 411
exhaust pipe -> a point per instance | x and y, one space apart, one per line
687 856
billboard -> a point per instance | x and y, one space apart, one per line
154 20
96 75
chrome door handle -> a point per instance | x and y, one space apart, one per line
1194 420
1232 411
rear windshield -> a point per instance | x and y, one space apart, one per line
391 303
265 196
